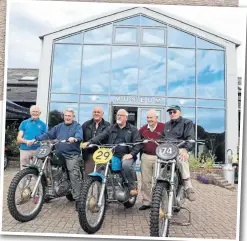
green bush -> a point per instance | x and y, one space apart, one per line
11 133
201 161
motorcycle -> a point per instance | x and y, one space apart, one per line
6 160
107 183
168 192
51 180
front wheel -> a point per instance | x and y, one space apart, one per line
90 215
159 222
21 206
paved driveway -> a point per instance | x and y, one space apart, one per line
214 216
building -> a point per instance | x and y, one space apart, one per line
140 58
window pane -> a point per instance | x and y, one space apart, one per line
101 35
181 73
177 38
126 35
56 112
152 70
66 68
64 97
153 36
203 44
124 70
211 103
76 39
211 127
150 22
95 69
211 76
130 21
86 112
181 102
94 98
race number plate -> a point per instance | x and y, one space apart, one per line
43 151
167 151
102 155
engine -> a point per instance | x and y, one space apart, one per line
61 184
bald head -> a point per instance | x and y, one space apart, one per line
152 118
97 113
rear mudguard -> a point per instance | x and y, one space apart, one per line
97 174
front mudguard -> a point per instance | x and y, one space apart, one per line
165 180
97 174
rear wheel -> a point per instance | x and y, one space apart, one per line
159 222
90 215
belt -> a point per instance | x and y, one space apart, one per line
148 153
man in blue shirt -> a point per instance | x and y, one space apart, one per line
28 129
69 130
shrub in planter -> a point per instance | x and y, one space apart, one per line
11 133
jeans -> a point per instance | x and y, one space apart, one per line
129 172
74 163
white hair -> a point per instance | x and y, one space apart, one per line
70 110
123 110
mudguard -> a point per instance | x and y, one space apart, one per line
97 174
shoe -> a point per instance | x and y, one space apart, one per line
133 192
190 194
144 207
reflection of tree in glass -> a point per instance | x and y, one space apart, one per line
55 117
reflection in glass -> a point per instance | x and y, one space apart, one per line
75 39
152 70
203 44
56 112
126 35
210 72
124 70
66 68
181 102
211 103
211 126
150 22
95 69
129 21
177 38
181 73
153 36
86 112
64 97
94 98
101 35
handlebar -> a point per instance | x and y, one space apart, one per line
51 142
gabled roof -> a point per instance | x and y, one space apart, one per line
141 10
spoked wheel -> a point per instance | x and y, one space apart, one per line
90 215
21 206
159 222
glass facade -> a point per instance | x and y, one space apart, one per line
142 62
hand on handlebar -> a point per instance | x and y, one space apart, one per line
72 139
84 145
30 142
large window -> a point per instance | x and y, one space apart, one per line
142 61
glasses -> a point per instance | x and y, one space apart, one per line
121 115
172 112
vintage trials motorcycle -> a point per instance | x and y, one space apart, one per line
107 183
46 177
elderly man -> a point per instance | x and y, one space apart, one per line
28 129
152 130
92 128
180 128
122 132
69 130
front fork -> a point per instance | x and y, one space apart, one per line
102 192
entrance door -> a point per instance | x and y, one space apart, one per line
132 118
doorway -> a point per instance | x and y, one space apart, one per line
132 118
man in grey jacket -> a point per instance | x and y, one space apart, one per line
180 128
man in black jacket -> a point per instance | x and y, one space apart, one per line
180 128
90 129
122 132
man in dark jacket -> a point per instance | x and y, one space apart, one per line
180 128
92 128
122 132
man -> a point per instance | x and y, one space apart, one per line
90 129
69 130
28 129
180 128
152 130
122 132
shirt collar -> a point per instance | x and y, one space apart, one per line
152 129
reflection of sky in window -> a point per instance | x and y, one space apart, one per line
129 21
64 97
152 71
181 72
210 74
86 112
150 22
95 71
63 106
66 68
76 39
203 44
181 102
210 103
94 98
126 35
177 38
153 36
124 70
212 120
101 35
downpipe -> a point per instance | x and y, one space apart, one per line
103 187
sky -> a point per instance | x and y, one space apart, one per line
30 19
